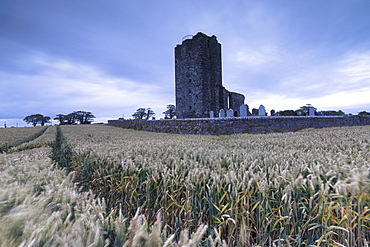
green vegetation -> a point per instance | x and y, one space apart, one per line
170 112
364 113
61 151
304 188
14 137
331 113
294 189
141 113
41 206
82 117
304 111
37 119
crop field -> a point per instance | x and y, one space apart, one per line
136 188
12 137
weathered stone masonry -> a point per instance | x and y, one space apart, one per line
198 79
199 90
219 126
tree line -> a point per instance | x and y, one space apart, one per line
76 117
304 111
170 113
85 117
146 113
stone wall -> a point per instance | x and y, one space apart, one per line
198 76
198 79
221 126
235 101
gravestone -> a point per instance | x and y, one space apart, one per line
311 111
221 113
255 112
261 111
211 114
230 113
243 110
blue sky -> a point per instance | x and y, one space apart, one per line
112 57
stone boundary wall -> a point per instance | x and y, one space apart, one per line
221 126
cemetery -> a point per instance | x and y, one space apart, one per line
205 106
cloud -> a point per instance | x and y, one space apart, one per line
62 86
249 58
354 70
113 58
344 99
348 101
295 79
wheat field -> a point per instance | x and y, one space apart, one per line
136 188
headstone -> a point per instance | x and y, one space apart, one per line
221 113
230 113
311 111
243 110
261 111
255 112
211 114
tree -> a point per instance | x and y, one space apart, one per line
286 113
37 118
149 112
44 119
331 113
31 119
71 118
170 112
84 117
66 119
61 118
143 113
302 111
364 113
140 113
341 113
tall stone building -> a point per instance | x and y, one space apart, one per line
198 76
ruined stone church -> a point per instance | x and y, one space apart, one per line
198 79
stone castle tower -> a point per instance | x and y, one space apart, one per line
198 76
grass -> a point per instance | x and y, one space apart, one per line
119 187
40 205
14 137
299 189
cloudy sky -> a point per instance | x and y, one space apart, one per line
112 57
